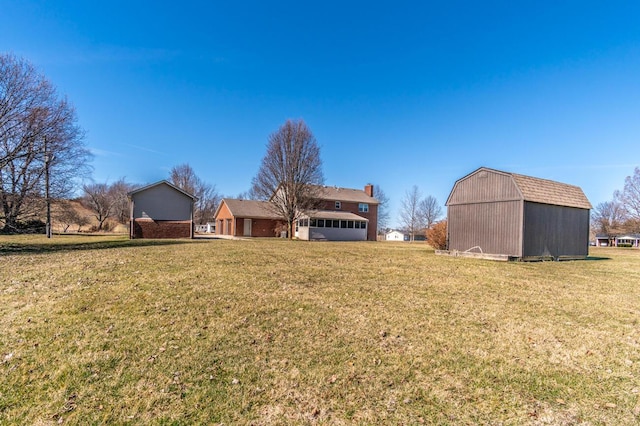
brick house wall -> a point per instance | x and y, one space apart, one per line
222 221
148 228
265 227
265 224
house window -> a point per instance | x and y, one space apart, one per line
338 205
343 224
312 223
349 224
336 224
363 225
320 223
363 208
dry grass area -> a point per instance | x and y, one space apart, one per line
107 330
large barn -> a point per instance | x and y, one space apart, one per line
520 217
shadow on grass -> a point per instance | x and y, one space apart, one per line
597 258
58 245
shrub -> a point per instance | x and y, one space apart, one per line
437 235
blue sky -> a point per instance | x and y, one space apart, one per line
398 94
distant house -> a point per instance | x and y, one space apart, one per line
621 240
523 217
161 210
207 228
343 214
395 236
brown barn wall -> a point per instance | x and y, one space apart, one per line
555 231
484 187
145 228
494 227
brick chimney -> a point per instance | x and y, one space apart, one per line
368 189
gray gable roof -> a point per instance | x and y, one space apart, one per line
333 214
334 193
527 188
250 208
162 182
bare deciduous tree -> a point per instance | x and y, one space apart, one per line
102 200
410 212
290 172
607 217
383 208
35 125
66 215
248 195
630 196
429 211
120 190
184 177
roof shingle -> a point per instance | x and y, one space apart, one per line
326 192
250 208
551 192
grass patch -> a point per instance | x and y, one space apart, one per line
108 330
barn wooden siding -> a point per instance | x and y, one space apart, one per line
555 231
484 187
485 211
486 227
517 216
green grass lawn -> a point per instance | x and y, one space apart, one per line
107 330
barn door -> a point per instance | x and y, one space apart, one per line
247 227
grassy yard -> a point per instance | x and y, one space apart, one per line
107 330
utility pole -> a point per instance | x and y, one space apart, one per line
47 158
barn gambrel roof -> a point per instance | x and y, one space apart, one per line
551 192
537 190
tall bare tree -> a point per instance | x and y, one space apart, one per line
65 214
607 217
248 195
630 196
105 201
184 177
429 211
120 190
410 217
383 208
290 172
37 129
